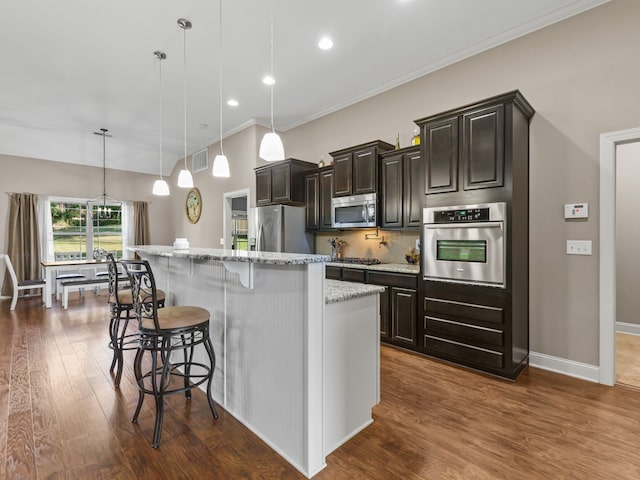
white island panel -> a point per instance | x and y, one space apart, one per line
301 374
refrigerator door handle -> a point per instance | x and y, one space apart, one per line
260 239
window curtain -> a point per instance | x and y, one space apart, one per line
24 238
141 223
46 229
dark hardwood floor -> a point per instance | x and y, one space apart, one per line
61 417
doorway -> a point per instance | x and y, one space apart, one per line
607 351
627 355
235 219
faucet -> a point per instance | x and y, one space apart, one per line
383 242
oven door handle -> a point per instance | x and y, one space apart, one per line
464 225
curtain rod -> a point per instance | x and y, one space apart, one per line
76 198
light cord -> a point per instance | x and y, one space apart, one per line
220 72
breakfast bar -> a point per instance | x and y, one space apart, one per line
297 357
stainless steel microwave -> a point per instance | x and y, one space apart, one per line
354 211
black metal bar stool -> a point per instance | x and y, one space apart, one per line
163 332
121 303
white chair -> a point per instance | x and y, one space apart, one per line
24 285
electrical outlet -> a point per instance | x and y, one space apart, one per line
578 247
417 244
222 242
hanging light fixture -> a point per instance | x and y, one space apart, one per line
185 180
220 164
271 148
160 186
103 210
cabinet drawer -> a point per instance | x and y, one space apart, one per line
462 351
351 275
471 311
474 333
393 279
334 273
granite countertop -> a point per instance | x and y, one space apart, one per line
230 255
381 267
337 291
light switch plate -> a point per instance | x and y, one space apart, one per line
222 242
417 244
578 247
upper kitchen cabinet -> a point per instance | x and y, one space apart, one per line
471 147
356 168
282 182
319 188
401 188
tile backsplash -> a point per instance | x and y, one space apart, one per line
398 243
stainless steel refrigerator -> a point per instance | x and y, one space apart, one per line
279 228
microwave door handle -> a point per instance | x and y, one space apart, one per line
465 225
364 213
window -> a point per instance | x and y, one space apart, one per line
80 227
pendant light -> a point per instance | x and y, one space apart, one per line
185 180
271 148
160 186
220 164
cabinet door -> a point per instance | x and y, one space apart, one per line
413 188
440 148
391 174
365 179
483 148
326 191
342 170
312 201
281 183
263 187
404 319
385 309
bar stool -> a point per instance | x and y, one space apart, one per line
163 332
121 303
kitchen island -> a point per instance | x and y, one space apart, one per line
297 358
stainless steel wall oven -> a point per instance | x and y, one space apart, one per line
465 244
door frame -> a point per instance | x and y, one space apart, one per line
608 143
226 212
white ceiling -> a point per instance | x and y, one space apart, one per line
71 67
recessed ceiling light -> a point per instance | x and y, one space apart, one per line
268 80
232 103
325 43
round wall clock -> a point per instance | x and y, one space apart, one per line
193 205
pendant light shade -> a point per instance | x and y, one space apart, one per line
185 180
160 186
221 166
220 163
271 147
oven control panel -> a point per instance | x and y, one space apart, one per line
461 215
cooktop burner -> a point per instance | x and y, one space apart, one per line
358 260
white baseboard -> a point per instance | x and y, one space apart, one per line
564 366
630 328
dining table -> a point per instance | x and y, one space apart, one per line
51 269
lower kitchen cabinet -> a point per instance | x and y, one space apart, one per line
398 303
474 326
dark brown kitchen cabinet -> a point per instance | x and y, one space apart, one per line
312 201
465 149
401 196
318 192
398 303
473 155
282 182
398 307
356 168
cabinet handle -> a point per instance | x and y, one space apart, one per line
364 154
